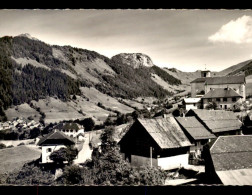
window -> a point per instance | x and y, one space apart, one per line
224 100
220 106
233 99
49 150
218 99
209 100
225 106
71 131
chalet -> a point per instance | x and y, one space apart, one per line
196 133
52 142
201 86
229 160
218 122
157 142
223 97
72 130
192 103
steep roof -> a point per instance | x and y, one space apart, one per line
220 80
166 132
194 128
55 137
220 93
217 120
232 159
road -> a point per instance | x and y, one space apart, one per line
85 152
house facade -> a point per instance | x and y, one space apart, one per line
201 86
53 142
73 130
223 97
156 142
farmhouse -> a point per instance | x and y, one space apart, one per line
218 122
157 142
223 97
229 160
196 132
201 86
72 130
51 142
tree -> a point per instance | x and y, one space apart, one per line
211 106
64 154
88 124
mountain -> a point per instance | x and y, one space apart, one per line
40 80
135 60
239 68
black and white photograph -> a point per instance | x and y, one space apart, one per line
125 97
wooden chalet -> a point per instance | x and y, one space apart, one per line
218 122
157 142
228 160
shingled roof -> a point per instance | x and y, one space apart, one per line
232 159
55 137
217 120
220 80
166 132
221 93
194 128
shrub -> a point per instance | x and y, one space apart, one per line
2 146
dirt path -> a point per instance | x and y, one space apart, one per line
85 152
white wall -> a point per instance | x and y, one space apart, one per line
165 163
45 154
173 162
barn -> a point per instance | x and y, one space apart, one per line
156 142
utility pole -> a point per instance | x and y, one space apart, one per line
151 156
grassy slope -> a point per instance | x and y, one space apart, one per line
16 157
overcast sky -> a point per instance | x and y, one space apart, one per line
188 40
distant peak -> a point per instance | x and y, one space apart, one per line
135 60
27 35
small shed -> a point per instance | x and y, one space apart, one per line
229 160
192 103
157 142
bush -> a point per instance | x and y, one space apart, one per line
2 146
21 144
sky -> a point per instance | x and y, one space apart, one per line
188 40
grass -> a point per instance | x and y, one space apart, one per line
16 157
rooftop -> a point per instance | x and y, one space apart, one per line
220 80
192 100
55 137
194 128
217 120
220 93
166 132
232 159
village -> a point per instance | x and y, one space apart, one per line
210 139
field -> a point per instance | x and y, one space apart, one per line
109 102
23 110
16 157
